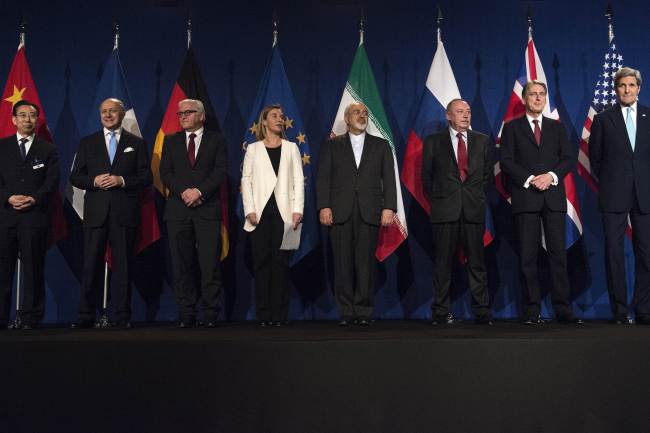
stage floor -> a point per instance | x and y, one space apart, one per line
394 376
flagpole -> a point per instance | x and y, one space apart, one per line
276 24
362 26
610 25
116 35
189 31
439 24
529 18
17 323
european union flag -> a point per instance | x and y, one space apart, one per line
275 89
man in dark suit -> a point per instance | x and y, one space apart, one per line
29 174
356 192
112 166
192 167
536 156
456 173
619 152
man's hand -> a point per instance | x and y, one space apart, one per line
325 216
387 217
542 182
252 218
297 219
107 181
191 197
21 202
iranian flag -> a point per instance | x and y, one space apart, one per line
361 87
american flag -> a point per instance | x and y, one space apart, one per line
604 97
532 69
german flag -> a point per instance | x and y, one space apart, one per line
20 86
189 85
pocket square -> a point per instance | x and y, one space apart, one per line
129 149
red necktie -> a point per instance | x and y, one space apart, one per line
191 150
537 132
462 157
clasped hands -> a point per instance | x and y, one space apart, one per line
107 181
192 197
21 202
542 181
296 219
326 218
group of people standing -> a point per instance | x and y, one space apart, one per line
356 194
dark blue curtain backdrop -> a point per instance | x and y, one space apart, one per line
68 41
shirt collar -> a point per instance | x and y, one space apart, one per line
118 131
531 118
357 138
454 133
198 133
624 107
29 137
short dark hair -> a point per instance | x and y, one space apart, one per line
530 84
22 102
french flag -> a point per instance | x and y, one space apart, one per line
440 88
532 69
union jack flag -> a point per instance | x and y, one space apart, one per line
604 97
532 69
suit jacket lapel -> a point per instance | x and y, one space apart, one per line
449 146
642 127
528 131
32 149
619 123
121 145
205 139
347 149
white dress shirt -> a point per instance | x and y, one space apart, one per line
28 143
357 145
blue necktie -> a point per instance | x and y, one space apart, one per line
112 146
631 128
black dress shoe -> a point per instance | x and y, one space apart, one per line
28 326
532 321
362 321
124 324
83 324
345 322
212 324
446 319
280 323
621 320
183 324
264 323
643 320
570 321
483 321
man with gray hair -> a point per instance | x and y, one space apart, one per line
356 194
112 166
192 168
619 153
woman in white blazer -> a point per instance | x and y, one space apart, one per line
273 193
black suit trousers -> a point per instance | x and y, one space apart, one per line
614 225
529 226
271 266
447 237
122 242
195 245
31 243
353 244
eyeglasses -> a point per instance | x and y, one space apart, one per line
186 113
27 116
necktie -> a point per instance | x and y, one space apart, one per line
537 132
23 149
191 150
112 146
631 128
462 157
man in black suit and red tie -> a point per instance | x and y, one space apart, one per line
29 174
356 193
112 166
619 152
536 156
456 173
192 167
